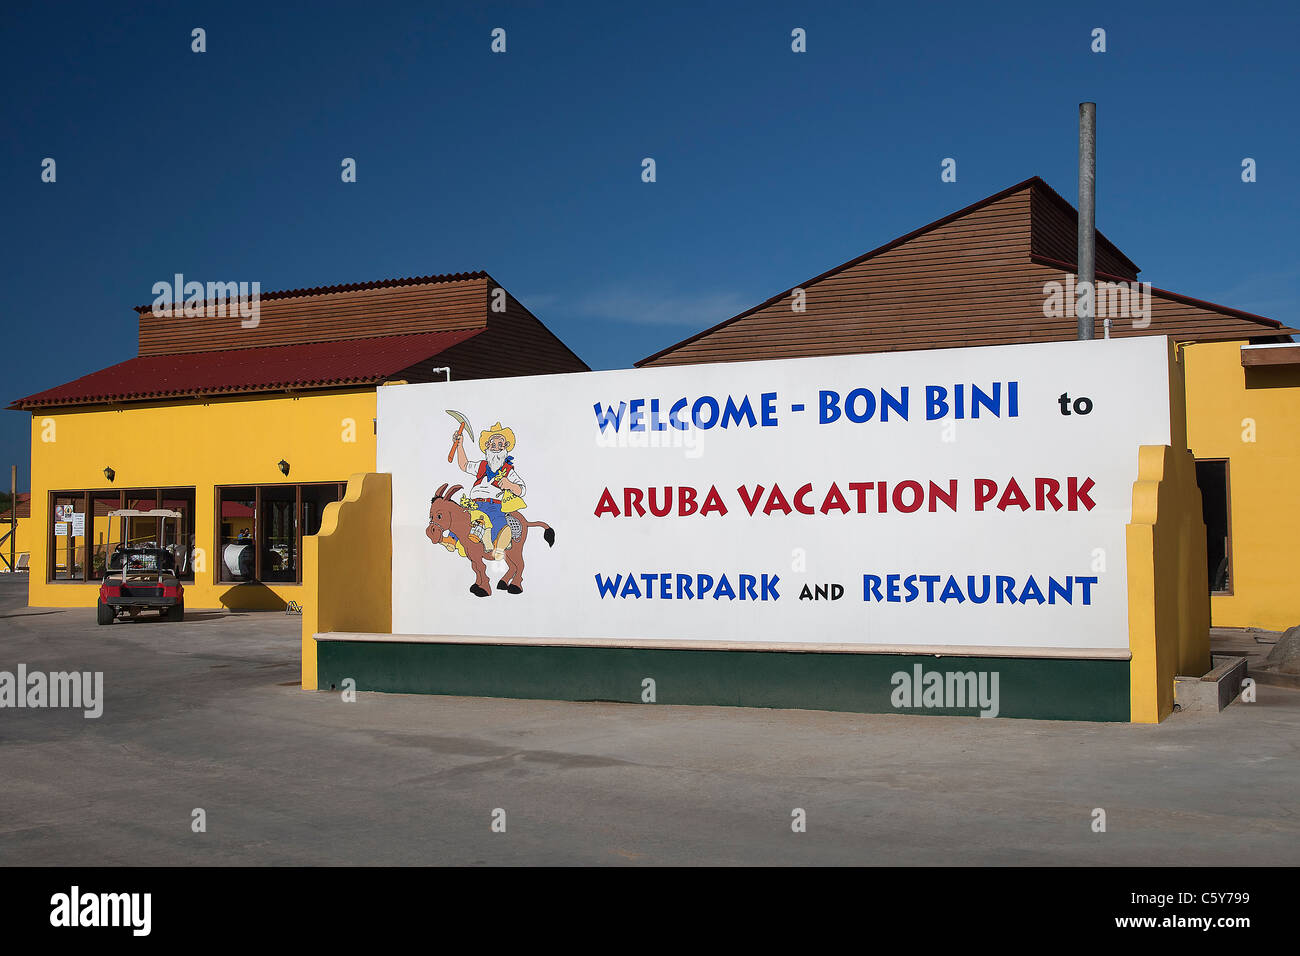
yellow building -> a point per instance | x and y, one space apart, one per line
1001 271
250 428
1243 426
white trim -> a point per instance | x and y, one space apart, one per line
1078 653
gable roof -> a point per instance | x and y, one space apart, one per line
1047 221
309 365
360 333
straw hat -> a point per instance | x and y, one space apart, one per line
496 429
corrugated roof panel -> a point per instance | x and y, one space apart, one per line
308 365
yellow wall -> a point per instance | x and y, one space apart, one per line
1169 609
199 444
1223 399
1168 599
347 569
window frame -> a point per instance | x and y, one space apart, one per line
52 541
88 497
219 563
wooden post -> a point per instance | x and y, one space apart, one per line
297 533
87 521
257 533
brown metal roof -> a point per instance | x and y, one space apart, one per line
353 311
974 277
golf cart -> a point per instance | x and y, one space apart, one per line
141 578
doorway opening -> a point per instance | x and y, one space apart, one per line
1216 509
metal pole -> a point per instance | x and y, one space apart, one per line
1085 290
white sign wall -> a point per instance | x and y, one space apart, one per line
952 498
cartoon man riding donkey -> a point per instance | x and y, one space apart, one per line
485 524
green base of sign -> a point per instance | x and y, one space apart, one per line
1041 688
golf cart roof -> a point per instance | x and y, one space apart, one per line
153 513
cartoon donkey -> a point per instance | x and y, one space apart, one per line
447 516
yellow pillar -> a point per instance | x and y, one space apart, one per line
347 569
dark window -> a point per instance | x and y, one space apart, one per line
1216 508
142 532
85 556
180 534
236 554
261 529
279 533
314 500
107 534
68 537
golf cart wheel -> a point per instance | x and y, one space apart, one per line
104 614
176 612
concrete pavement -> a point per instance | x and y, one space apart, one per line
207 714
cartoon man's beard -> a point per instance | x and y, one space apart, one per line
496 459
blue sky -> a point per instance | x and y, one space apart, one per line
771 166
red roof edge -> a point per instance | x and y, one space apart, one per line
987 200
358 286
31 402
428 344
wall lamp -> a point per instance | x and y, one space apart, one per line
110 474
284 467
